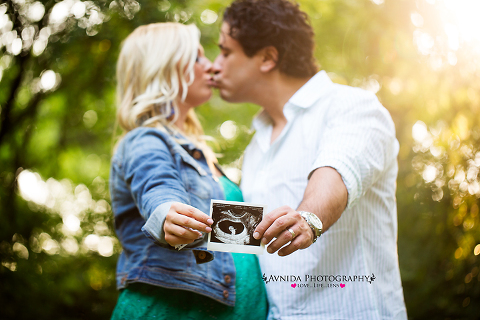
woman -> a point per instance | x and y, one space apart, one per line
163 177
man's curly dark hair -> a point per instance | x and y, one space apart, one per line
257 24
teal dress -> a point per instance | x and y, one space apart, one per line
143 301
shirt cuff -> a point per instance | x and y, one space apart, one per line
349 176
153 228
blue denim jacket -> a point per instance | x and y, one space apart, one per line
150 170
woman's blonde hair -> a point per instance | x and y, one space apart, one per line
156 66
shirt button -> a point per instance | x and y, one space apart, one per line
197 154
227 279
225 294
202 255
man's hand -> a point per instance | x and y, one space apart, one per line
183 223
277 224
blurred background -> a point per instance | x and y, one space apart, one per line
57 107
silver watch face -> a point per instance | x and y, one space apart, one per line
314 222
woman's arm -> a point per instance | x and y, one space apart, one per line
158 190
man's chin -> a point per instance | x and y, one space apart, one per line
225 95
229 96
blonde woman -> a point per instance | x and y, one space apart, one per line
162 179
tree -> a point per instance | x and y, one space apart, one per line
57 72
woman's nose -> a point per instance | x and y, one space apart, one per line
207 65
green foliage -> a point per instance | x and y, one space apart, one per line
57 247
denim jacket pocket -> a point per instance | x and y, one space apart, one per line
170 260
198 181
187 159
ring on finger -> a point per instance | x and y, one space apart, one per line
292 232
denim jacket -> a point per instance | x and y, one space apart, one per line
152 168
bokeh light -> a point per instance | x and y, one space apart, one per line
208 16
48 80
228 129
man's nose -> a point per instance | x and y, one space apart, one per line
216 66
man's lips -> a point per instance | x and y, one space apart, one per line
212 83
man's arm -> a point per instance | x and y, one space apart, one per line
325 195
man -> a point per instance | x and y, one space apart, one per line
324 155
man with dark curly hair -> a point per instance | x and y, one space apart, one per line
327 150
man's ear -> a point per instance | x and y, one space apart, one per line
269 58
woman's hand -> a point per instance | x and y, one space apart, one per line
184 223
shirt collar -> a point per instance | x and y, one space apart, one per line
311 91
304 98
261 121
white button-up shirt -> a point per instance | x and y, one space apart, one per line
352 271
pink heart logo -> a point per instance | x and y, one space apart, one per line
293 285
342 285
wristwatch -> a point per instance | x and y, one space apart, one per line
314 222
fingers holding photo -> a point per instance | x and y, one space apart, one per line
184 224
189 211
274 222
303 240
286 226
177 235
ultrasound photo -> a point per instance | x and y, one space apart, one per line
233 226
